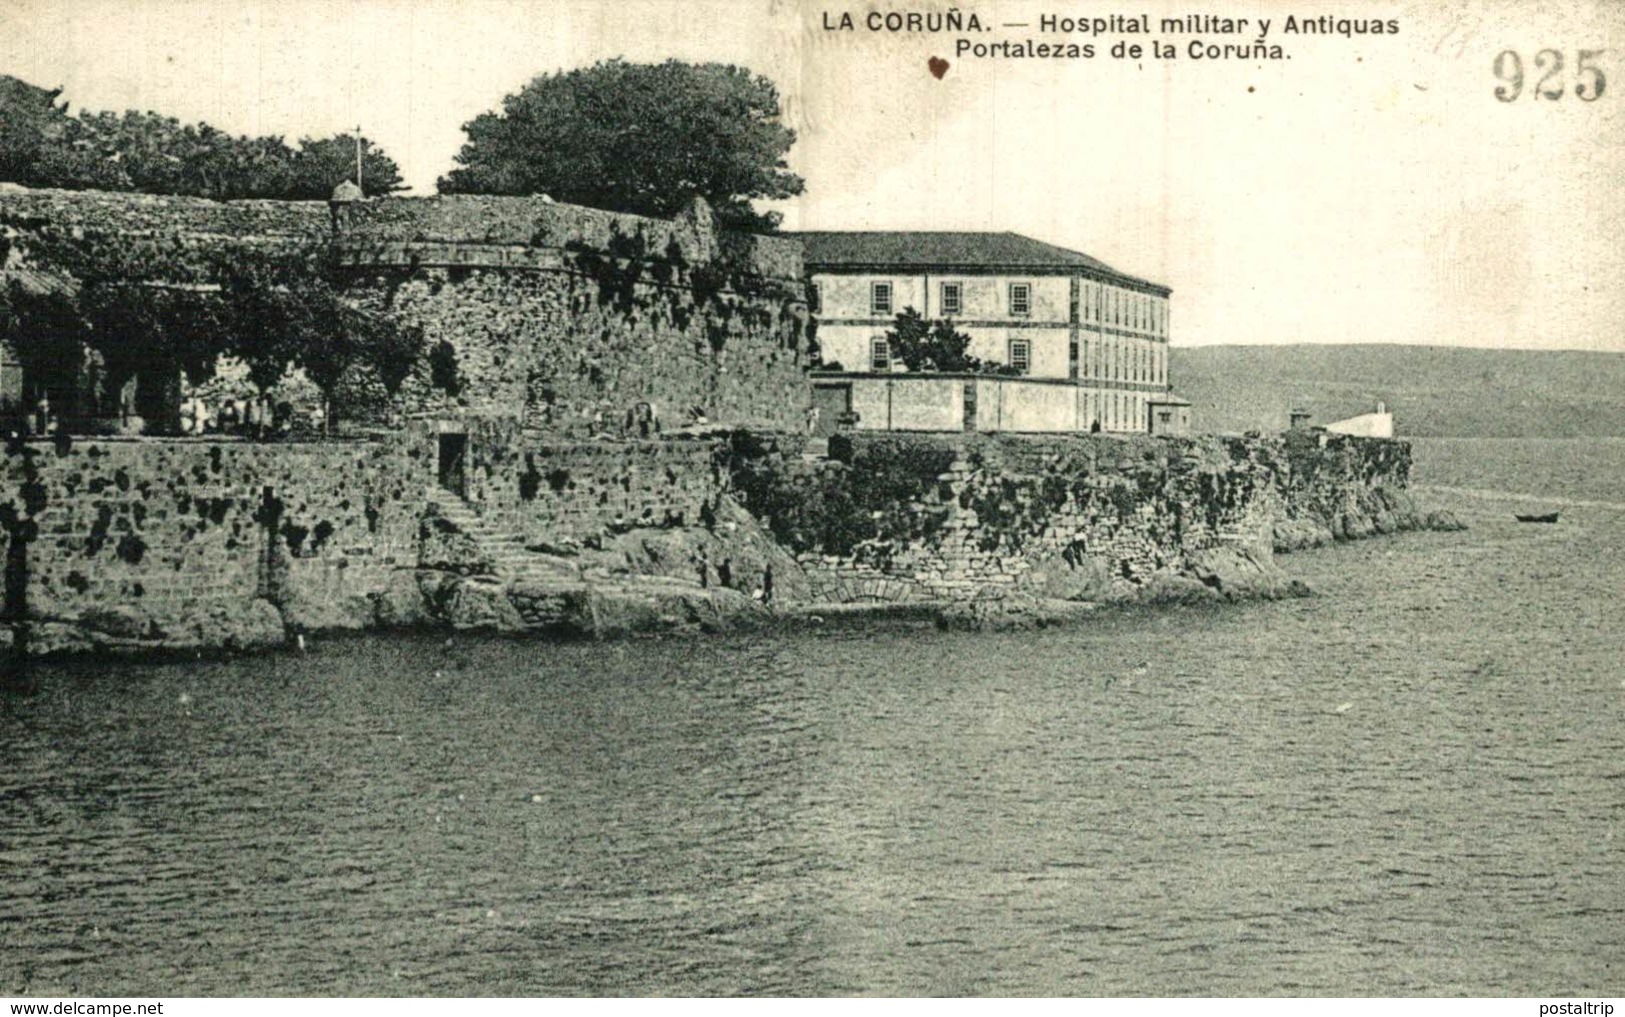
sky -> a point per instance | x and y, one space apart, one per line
1366 189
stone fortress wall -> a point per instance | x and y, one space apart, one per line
909 518
137 544
564 318
555 322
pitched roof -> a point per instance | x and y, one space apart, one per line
854 250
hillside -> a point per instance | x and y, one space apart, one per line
1433 391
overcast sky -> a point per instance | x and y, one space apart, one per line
1368 189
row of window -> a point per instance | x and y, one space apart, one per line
1139 312
1103 360
1124 360
1020 354
1106 305
1121 411
951 299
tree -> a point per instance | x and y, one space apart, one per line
29 119
321 163
643 138
39 319
151 331
42 146
930 345
286 313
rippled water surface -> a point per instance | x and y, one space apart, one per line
1413 783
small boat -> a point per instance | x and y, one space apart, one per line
1550 517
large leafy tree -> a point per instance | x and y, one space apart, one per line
287 314
321 163
41 145
29 120
644 138
271 312
930 345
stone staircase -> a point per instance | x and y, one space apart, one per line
535 591
513 562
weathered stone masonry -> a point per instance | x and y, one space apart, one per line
921 518
566 318
559 317
195 543
561 492
170 544
511 494
177 543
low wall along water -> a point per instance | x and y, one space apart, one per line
143 544
904 518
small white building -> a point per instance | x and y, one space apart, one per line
1093 341
1367 425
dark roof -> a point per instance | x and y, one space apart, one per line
857 250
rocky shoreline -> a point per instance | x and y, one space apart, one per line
162 548
601 605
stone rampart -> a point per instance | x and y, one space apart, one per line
560 493
564 319
178 543
165 544
928 517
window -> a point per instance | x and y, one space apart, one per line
1021 298
953 298
879 354
880 298
1021 355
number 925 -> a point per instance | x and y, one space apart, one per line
1589 81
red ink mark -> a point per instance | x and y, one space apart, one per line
938 66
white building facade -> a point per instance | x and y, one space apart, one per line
1053 317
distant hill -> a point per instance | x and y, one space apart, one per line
1433 391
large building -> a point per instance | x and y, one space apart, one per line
1081 343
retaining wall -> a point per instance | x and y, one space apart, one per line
181 543
924 517
558 317
561 492
171 543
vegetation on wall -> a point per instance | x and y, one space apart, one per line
718 297
889 496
